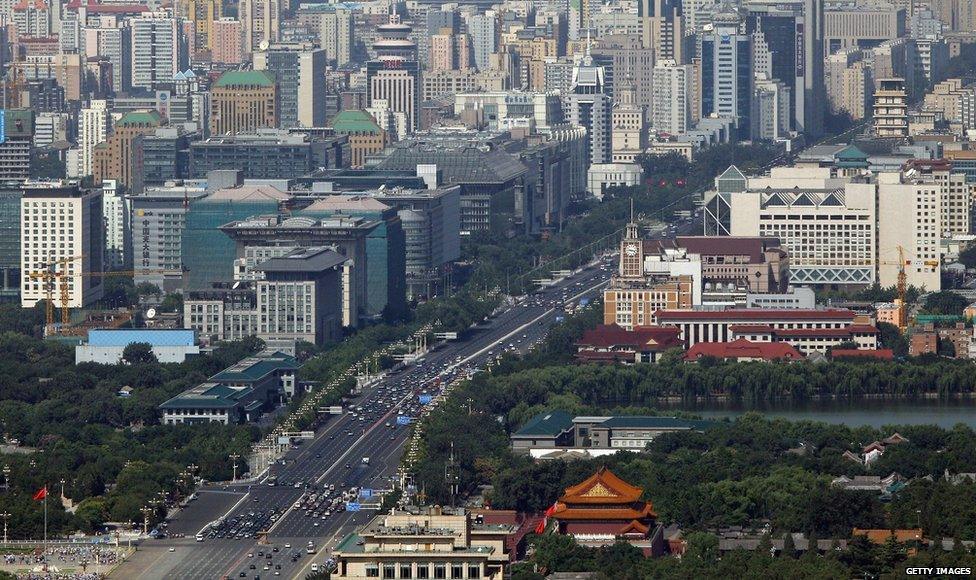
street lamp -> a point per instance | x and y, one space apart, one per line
5 516
6 477
234 457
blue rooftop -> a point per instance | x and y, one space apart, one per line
155 337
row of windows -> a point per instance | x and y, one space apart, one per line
423 571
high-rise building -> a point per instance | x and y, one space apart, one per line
10 194
120 156
671 106
116 212
158 50
61 228
625 61
726 72
243 101
92 130
201 14
227 42
365 136
483 29
395 75
334 27
589 106
158 219
663 29
261 20
891 108
111 38
299 71
15 150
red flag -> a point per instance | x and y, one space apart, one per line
545 519
541 527
41 494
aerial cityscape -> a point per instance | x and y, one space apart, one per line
487 289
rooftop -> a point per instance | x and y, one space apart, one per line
550 423
154 337
248 193
209 395
754 314
610 335
355 121
140 119
240 78
742 348
304 260
256 367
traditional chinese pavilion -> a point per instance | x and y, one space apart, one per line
605 509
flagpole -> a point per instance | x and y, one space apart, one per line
45 518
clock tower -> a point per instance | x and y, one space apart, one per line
632 250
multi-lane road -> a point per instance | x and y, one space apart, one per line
334 457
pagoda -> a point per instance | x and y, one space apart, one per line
605 509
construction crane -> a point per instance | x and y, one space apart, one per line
901 285
49 274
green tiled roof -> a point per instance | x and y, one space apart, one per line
254 368
349 544
235 78
208 396
353 121
550 423
140 119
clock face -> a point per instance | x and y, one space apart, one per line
631 250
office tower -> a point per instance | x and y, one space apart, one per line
15 150
337 34
672 102
629 133
788 47
365 136
662 27
441 57
201 14
119 157
891 108
61 224
111 38
158 50
394 77
227 44
166 155
92 130
32 19
483 29
10 194
770 110
261 20
51 127
861 25
299 71
158 219
208 254
116 211
243 101
909 228
589 106
625 61
727 77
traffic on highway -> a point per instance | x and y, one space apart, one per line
326 486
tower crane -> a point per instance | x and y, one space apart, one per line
901 285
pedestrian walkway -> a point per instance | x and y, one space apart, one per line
63 562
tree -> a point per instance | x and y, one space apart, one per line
891 337
148 289
138 353
967 257
172 303
789 546
945 303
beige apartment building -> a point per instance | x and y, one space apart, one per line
428 543
243 101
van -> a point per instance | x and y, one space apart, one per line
315 567
199 537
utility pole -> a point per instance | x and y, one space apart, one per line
146 510
234 457
5 516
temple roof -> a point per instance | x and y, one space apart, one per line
603 487
565 513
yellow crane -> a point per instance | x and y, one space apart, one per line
901 285
49 275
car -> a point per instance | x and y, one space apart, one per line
287 546
253 567
243 575
172 549
348 466
275 549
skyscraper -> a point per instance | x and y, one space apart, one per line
242 101
727 75
202 14
673 87
483 29
261 20
92 130
590 107
662 27
394 76
158 50
299 69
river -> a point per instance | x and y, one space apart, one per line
875 413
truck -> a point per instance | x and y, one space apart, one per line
335 410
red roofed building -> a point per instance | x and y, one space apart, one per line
807 330
604 509
609 343
743 350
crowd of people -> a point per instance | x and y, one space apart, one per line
85 562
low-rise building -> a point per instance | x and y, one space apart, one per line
603 176
430 542
107 346
237 394
742 350
609 343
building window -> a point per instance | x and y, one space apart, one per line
457 571
405 571
423 572
389 571
474 572
372 571
440 571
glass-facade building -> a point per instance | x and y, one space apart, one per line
10 194
208 253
